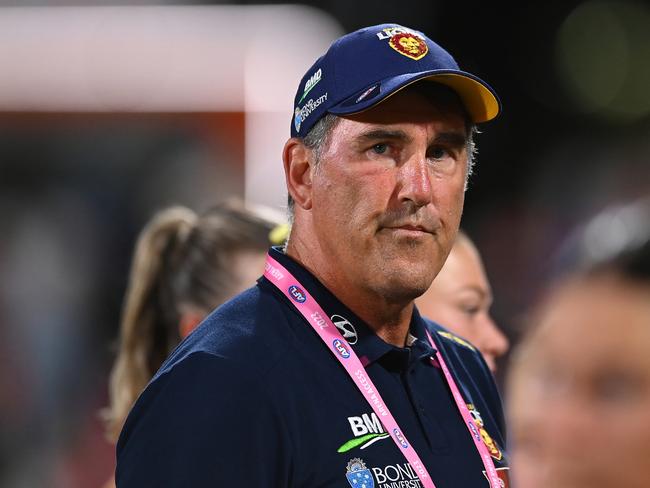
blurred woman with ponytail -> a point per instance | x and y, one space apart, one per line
184 266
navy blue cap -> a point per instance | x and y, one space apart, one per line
363 68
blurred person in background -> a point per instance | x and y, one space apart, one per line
579 385
184 266
460 298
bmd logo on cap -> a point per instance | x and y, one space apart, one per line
297 294
311 83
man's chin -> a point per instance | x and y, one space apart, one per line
404 286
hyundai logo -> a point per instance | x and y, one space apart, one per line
347 330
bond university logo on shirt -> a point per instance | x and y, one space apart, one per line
491 445
297 294
358 475
407 42
391 476
367 429
346 328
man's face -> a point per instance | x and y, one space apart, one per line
388 194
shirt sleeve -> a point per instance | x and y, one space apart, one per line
204 423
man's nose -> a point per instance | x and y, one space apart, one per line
415 181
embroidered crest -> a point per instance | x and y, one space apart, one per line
492 446
409 45
358 475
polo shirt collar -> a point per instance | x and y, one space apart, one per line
422 348
367 345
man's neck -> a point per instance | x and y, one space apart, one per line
389 320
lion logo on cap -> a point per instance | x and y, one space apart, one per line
409 45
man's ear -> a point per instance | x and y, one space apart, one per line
298 172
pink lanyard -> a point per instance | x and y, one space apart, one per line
321 323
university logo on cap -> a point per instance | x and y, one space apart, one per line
410 45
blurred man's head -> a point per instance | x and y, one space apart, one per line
582 394
579 386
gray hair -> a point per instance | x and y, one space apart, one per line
317 140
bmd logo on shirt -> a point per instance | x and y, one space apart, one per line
367 430
297 294
341 349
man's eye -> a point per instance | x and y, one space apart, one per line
439 153
380 148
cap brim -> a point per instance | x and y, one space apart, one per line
479 99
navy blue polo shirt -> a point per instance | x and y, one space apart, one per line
254 398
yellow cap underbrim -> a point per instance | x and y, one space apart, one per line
479 101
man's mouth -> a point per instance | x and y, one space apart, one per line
413 230
418 228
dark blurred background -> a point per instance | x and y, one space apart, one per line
77 186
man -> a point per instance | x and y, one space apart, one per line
460 298
324 374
